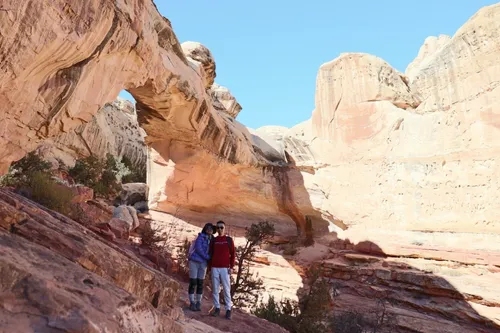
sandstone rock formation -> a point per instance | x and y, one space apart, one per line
431 45
224 101
129 45
200 56
418 153
114 130
132 193
57 275
120 45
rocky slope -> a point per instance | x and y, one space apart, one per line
57 275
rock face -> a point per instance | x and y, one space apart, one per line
421 295
57 275
431 45
48 83
223 101
113 130
416 154
200 56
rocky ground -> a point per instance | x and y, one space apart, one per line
430 282
59 276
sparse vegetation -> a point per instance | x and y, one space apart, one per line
376 321
245 287
183 258
31 176
21 172
313 311
49 193
150 237
306 316
98 174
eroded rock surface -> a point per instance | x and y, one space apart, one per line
416 154
69 277
49 82
113 130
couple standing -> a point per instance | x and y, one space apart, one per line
218 253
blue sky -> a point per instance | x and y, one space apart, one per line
268 52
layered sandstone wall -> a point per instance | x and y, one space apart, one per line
113 130
418 152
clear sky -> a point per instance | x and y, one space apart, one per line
268 52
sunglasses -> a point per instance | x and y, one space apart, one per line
220 228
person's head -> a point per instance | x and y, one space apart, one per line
221 228
208 229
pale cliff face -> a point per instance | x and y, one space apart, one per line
416 153
113 130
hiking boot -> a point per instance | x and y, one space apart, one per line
215 313
192 306
197 306
228 314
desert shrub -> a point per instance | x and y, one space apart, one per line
149 237
284 313
245 287
31 176
347 322
21 172
49 193
183 258
308 315
98 174
309 232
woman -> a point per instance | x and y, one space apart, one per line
199 256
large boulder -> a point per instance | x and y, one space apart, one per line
132 193
127 214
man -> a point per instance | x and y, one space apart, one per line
222 261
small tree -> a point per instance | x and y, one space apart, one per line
245 288
308 315
98 174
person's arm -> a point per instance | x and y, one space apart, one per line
233 254
199 248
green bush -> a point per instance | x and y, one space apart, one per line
308 315
20 172
98 174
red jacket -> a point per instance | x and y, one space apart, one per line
222 252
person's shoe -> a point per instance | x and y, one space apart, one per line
228 314
197 306
192 306
215 312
